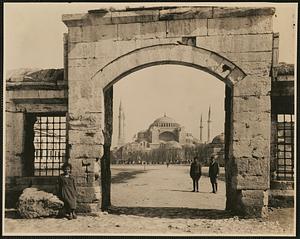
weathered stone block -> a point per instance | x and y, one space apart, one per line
74 19
251 129
75 34
92 165
222 12
78 74
213 62
258 166
77 168
85 181
86 151
260 69
246 116
88 207
34 204
82 50
134 16
88 194
236 75
239 58
13 165
185 13
129 31
155 41
247 147
80 106
99 17
256 104
251 182
14 133
99 32
230 25
189 27
253 203
113 49
236 43
89 136
153 30
81 62
85 122
252 85
11 107
42 108
251 166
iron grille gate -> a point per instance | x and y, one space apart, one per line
285 147
50 145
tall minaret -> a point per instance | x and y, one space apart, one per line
124 136
201 127
121 125
208 126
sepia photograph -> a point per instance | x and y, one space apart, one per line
149 119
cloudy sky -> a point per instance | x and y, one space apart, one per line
33 36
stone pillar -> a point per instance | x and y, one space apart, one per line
249 152
14 143
85 137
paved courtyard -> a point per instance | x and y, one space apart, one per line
158 200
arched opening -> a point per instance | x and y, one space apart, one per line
130 159
138 59
167 136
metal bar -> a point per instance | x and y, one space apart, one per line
53 144
41 151
59 154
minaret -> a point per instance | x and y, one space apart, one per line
201 128
121 126
208 126
124 136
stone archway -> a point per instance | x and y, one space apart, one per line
191 56
104 46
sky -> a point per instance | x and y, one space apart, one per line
33 38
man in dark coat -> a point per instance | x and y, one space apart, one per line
213 173
195 173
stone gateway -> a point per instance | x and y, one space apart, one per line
236 45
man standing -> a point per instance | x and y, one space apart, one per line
195 173
213 173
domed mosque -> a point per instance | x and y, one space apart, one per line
216 147
164 132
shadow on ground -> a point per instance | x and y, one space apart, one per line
123 177
220 177
171 212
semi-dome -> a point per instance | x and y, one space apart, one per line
219 139
165 121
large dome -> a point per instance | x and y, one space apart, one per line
219 139
165 121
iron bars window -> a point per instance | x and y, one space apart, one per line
285 147
50 145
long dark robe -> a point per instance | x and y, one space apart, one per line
67 191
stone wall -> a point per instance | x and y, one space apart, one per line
233 44
28 91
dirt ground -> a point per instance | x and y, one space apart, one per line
157 200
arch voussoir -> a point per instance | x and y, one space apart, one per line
197 57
